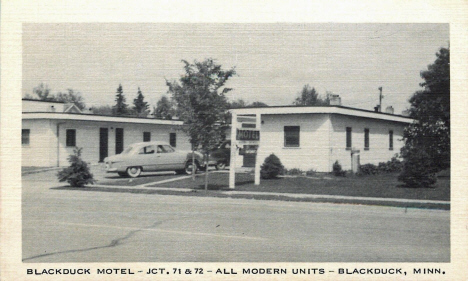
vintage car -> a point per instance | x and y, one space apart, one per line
221 156
150 157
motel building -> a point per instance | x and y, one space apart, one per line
314 137
51 130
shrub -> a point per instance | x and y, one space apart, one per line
369 169
418 169
295 172
77 174
311 172
271 167
337 170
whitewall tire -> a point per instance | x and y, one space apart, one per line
133 172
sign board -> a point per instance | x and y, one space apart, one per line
247 135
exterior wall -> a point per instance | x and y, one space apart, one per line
41 106
40 151
313 152
378 139
43 151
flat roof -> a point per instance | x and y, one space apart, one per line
97 118
330 109
52 101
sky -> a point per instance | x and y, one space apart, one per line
273 61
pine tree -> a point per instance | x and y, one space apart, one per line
140 105
120 108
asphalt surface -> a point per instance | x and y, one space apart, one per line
79 226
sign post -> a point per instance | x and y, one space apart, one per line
232 164
258 124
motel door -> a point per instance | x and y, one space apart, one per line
103 143
119 140
250 154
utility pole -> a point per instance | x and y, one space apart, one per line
380 99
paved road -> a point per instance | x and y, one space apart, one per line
79 226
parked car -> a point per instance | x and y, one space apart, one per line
221 156
150 157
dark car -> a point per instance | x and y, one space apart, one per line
221 156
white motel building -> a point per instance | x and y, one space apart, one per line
314 137
51 130
305 137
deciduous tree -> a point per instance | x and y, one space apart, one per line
201 103
427 140
164 109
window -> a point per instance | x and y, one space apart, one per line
71 137
366 139
349 142
173 139
147 150
25 136
167 149
291 136
146 136
390 140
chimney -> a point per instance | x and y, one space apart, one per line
389 110
335 100
405 112
377 108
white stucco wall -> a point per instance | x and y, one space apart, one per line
378 139
313 152
42 141
42 150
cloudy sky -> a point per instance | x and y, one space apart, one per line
273 61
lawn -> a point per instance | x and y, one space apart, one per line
382 185
114 179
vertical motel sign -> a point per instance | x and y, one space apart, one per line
244 136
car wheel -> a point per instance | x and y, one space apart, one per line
220 166
188 168
122 174
133 171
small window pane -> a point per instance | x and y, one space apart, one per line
25 136
291 136
349 143
167 149
146 136
390 140
71 137
366 139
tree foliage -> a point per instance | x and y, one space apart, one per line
427 140
43 92
201 103
140 106
120 107
103 110
309 96
164 109
71 97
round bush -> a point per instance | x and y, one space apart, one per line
271 167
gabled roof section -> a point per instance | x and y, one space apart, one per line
72 108
331 109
